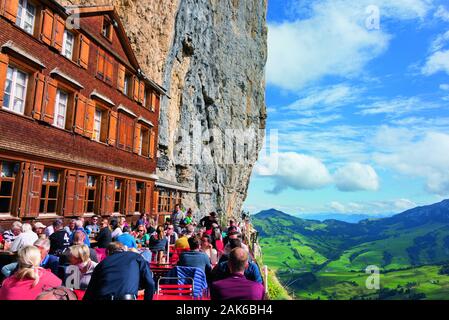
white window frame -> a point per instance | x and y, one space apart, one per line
57 109
12 94
126 83
22 14
141 143
65 42
97 124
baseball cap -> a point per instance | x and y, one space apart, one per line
39 225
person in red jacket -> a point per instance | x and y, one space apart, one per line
30 280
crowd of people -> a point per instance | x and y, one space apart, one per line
51 259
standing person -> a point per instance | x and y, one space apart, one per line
233 226
104 237
208 221
236 286
59 239
26 238
30 279
217 240
176 218
189 217
120 276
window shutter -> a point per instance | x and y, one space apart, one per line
34 190
100 63
58 34
107 195
39 89
155 202
69 195
89 119
131 197
147 198
109 69
158 102
152 142
142 92
80 193
10 9
137 138
112 134
121 78
81 105
47 26
129 134
84 50
4 60
49 109
136 89
25 183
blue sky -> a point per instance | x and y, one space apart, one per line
358 93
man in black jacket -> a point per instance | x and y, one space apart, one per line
59 240
120 276
104 237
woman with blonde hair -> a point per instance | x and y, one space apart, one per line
30 280
80 257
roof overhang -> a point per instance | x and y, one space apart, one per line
126 110
66 77
148 122
96 95
11 46
172 185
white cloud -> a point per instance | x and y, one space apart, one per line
293 170
438 61
338 207
332 41
397 106
442 13
444 86
372 207
423 156
356 177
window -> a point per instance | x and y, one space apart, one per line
127 88
105 67
107 29
91 192
26 16
97 124
118 195
8 173
15 90
62 100
68 44
50 191
140 186
144 148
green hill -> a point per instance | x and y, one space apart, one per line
308 255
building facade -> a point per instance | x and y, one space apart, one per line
78 118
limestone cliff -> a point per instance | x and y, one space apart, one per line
210 56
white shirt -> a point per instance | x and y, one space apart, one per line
49 230
24 239
117 232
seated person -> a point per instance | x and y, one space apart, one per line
116 229
57 293
26 238
79 228
194 257
142 237
126 239
39 229
222 271
48 261
93 226
172 236
104 237
207 248
236 286
158 241
30 279
78 239
11 234
59 239
234 235
120 276
80 257
183 241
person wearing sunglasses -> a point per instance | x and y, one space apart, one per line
93 226
142 237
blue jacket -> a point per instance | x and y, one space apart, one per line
197 274
127 240
120 274
51 262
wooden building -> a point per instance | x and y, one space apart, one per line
78 118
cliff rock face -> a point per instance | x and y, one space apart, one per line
210 56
